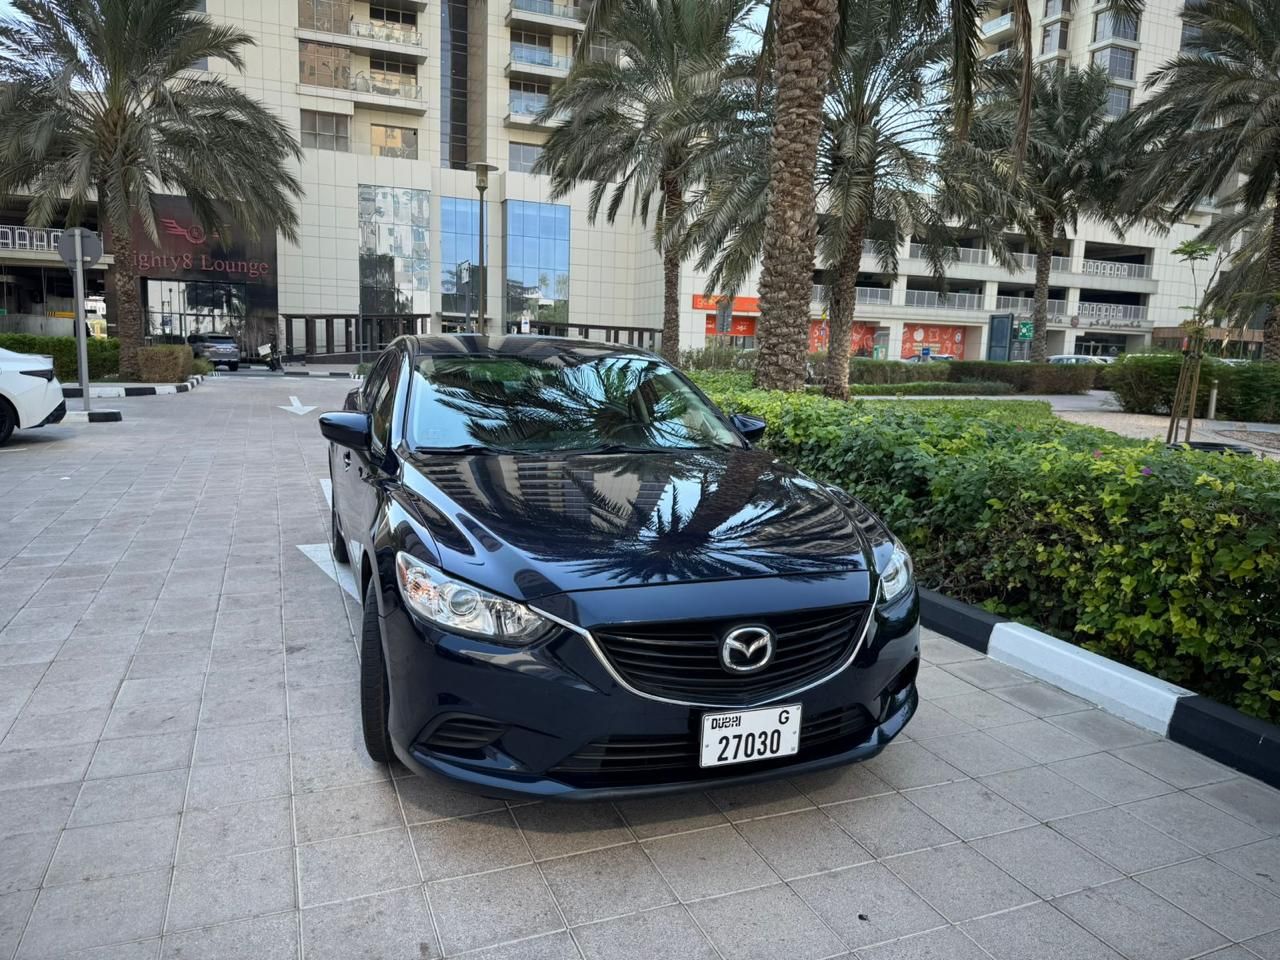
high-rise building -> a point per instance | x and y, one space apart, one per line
394 102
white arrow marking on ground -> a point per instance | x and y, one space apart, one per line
296 407
327 487
339 573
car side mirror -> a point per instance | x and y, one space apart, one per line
346 429
752 428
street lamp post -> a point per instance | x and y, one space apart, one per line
482 171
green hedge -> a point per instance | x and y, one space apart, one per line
104 355
167 363
941 389
1145 383
1164 559
1021 377
862 370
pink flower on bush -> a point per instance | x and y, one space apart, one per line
1097 454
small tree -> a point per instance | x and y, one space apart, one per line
100 102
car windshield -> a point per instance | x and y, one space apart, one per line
567 401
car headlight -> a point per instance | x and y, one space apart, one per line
896 575
461 608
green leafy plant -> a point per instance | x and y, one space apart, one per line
103 355
1168 560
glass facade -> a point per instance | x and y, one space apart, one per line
459 248
385 141
537 279
1119 62
178 308
454 71
395 250
1112 26
324 65
1119 99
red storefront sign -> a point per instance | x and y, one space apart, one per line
939 338
702 301
862 337
738 327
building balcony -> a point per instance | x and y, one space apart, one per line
522 114
932 300
546 15
1117 270
1094 314
1027 305
369 37
994 29
1027 261
388 94
918 251
530 61
37 246
881 296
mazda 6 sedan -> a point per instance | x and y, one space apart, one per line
580 579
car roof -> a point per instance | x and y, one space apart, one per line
516 345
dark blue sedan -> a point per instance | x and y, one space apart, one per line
581 580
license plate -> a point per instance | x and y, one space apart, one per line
746 735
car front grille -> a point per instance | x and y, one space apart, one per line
622 761
681 660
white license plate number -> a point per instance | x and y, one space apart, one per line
746 735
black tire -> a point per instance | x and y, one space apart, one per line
336 543
8 421
375 696
233 367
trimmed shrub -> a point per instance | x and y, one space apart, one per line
1145 383
717 356
103 355
862 370
1168 560
944 388
201 367
167 363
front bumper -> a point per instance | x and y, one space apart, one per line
551 721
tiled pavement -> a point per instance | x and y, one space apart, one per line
181 774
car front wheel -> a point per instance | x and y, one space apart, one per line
8 420
375 698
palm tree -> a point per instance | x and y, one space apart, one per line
632 123
1214 121
1077 164
100 102
873 167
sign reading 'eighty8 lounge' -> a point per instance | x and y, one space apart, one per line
184 250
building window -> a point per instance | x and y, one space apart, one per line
522 156
176 309
393 77
603 51
395 250
459 253
326 131
331 16
1119 62
527 98
1110 26
322 65
537 280
1119 99
388 141
454 72
1191 34
1053 38
1055 8
406 18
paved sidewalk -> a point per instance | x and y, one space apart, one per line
182 776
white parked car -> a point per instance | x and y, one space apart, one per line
30 395
1079 358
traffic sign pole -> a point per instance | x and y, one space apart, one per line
82 339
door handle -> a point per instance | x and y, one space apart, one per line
346 460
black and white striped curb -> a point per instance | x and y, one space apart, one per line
93 416
1221 732
107 391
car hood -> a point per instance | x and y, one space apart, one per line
529 526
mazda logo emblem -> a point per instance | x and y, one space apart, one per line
746 649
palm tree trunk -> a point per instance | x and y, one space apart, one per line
1040 311
844 299
1271 327
672 206
128 299
803 46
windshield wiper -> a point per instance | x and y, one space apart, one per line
464 448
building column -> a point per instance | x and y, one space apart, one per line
989 290
1077 256
328 334
309 331
349 340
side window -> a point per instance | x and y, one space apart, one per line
383 403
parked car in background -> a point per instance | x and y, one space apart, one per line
1080 358
582 580
30 394
921 358
216 348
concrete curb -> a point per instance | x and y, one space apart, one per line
106 391
93 416
1223 733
